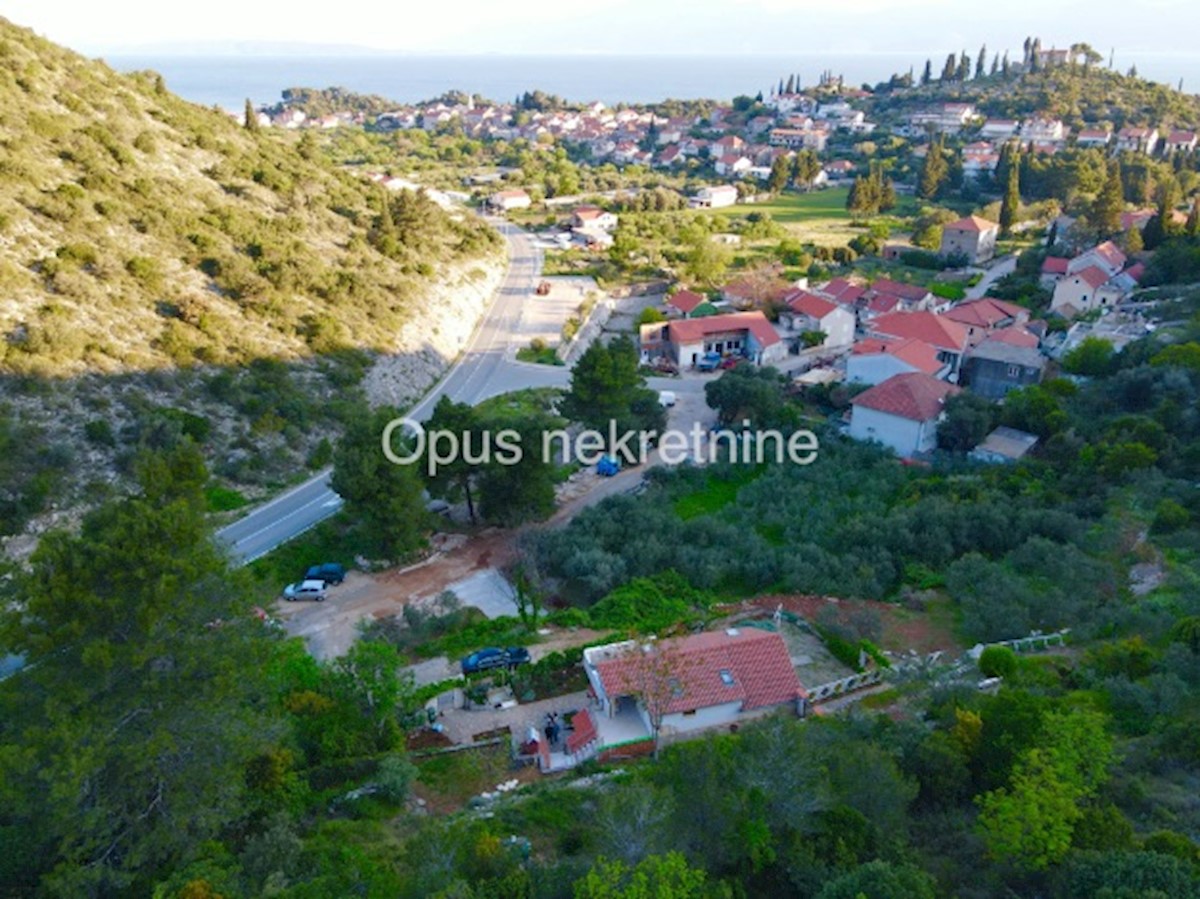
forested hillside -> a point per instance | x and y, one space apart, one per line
146 244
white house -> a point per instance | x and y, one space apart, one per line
507 200
1095 279
593 218
693 683
1043 131
686 341
733 165
1180 142
1093 137
973 237
998 129
1143 140
809 312
902 413
714 197
876 359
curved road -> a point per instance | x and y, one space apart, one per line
486 368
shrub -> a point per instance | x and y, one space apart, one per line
998 661
99 432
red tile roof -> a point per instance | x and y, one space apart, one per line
748 666
1014 336
583 731
982 313
911 292
1093 275
1055 265
933 329
810 304
1110 253
915 353
972 223
686 301
694 329
883 303
842 291
915 396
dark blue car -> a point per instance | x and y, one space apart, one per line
330 573
494 657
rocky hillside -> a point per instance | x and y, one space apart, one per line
166 271
138 230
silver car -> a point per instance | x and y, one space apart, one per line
305 590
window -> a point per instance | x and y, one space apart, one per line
1014 371
690 713
727 677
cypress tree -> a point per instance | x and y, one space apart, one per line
950 68
981 62
933 171
250 118
1106 211
995 64
927 75
1010 206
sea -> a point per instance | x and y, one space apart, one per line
227 81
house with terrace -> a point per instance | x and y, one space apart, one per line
664 689
685 342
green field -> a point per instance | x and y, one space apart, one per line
819 217
791 208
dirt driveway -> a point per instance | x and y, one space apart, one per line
331 627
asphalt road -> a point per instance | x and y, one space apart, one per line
486 368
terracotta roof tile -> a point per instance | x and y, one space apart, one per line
686 301
972 223
694 329
749 666
932 329
915 396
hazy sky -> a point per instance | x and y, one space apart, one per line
607 26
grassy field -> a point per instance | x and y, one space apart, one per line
819 217
718 493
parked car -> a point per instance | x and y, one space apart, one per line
494 657
543 288
730 362
708 362
608 466
666 398
329 572
305 590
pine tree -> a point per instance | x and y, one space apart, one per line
1010 206
927 75
250 119
981 62
781 173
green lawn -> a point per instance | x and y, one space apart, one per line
819 217
794 207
